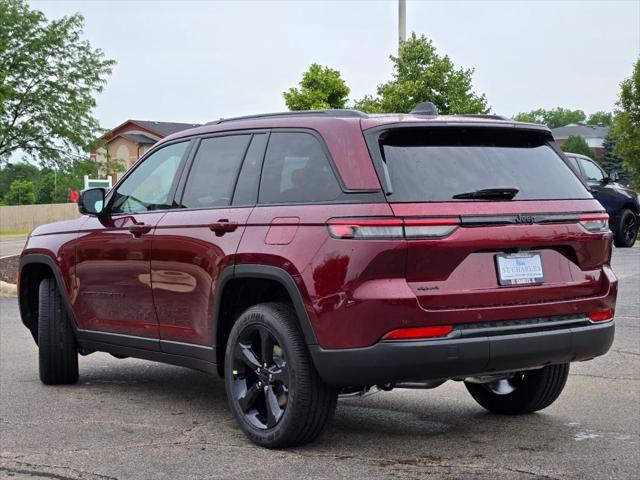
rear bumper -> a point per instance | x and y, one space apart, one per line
469 353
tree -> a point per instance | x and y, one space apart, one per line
423 75
601 118
557 117
48 79
626 126
611 163
577 144
21 192
320 88
16 171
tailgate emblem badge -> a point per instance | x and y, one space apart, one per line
530 219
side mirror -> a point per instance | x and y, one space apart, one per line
614 176
91 201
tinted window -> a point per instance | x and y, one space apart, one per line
246 192
296 170
435 164
148 186
573 161
214 171
591 170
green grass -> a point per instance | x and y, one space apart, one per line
4 233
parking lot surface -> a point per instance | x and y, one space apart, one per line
131 419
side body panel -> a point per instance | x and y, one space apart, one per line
186 262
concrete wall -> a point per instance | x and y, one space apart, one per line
28 217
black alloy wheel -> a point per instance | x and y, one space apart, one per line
273 389
260 377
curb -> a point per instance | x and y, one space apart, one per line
8 290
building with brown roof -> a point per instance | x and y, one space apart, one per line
129 141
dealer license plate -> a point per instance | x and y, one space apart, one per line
519 268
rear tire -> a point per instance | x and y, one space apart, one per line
626 230
525 392
284 403
57 349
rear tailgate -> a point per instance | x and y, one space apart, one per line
460 271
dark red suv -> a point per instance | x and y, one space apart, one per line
306 255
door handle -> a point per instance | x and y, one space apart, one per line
223 226
139 229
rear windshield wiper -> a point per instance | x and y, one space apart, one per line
490 194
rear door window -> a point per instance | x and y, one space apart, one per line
296 170
434 164
213 174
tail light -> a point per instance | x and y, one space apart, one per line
415 333
392 228
375 228
598 222
602 316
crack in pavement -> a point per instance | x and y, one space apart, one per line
28 469
626 352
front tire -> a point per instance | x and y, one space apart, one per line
524 392
627 230
273 389
57 349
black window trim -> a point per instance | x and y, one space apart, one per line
372 135
261 157
171 196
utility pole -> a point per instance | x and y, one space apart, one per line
402 21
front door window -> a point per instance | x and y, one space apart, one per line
147 187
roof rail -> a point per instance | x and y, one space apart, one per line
337 112
483 115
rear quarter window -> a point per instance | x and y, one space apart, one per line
434 164
297 170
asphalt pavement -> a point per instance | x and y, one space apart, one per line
11 244
132 419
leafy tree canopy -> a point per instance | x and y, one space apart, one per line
17 171
577 144
601 118
626 127
48 79
320 88
21 192
423 75
557 117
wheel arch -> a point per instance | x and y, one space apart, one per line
32 270
264 283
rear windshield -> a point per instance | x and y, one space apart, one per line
435 164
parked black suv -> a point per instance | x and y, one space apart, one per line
621 203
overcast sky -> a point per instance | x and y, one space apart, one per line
194 61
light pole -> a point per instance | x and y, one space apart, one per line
402 22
